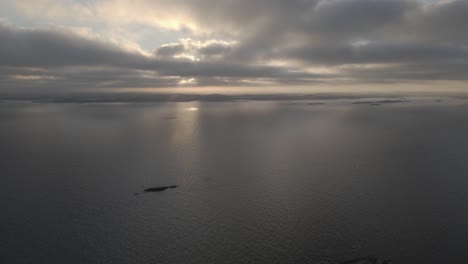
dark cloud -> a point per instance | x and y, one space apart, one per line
49 48
170 50
452 70
341 19
362 53
442 23
215 49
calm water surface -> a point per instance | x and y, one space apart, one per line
260 182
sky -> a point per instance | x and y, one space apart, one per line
132 45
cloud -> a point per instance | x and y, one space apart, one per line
51 48
243 42
54 58
379 52
196 50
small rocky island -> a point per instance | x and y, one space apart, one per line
160 189
157 189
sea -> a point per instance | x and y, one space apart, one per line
258 181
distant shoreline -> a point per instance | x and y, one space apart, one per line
166 97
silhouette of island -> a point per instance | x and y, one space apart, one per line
160 189
377 103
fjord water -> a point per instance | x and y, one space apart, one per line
259 182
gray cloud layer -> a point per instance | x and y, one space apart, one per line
267 42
